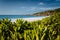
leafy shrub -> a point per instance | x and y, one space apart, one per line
45 29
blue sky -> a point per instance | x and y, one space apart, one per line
23 7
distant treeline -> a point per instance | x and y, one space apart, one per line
47 13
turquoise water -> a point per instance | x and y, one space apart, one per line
17 16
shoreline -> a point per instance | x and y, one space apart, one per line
28 19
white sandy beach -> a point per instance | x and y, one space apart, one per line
29 19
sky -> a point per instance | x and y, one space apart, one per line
23 7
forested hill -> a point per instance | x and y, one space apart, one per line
47 13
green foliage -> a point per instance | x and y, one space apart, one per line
45 29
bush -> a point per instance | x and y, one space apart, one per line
45 29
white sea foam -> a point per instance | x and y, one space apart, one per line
29 19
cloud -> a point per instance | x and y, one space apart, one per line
28 8
35 8
22 7
41 3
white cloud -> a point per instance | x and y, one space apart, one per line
41 3
28 8
22 7
33 8
36 9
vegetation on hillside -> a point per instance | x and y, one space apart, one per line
47 13
45 29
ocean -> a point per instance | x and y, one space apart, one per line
18 16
